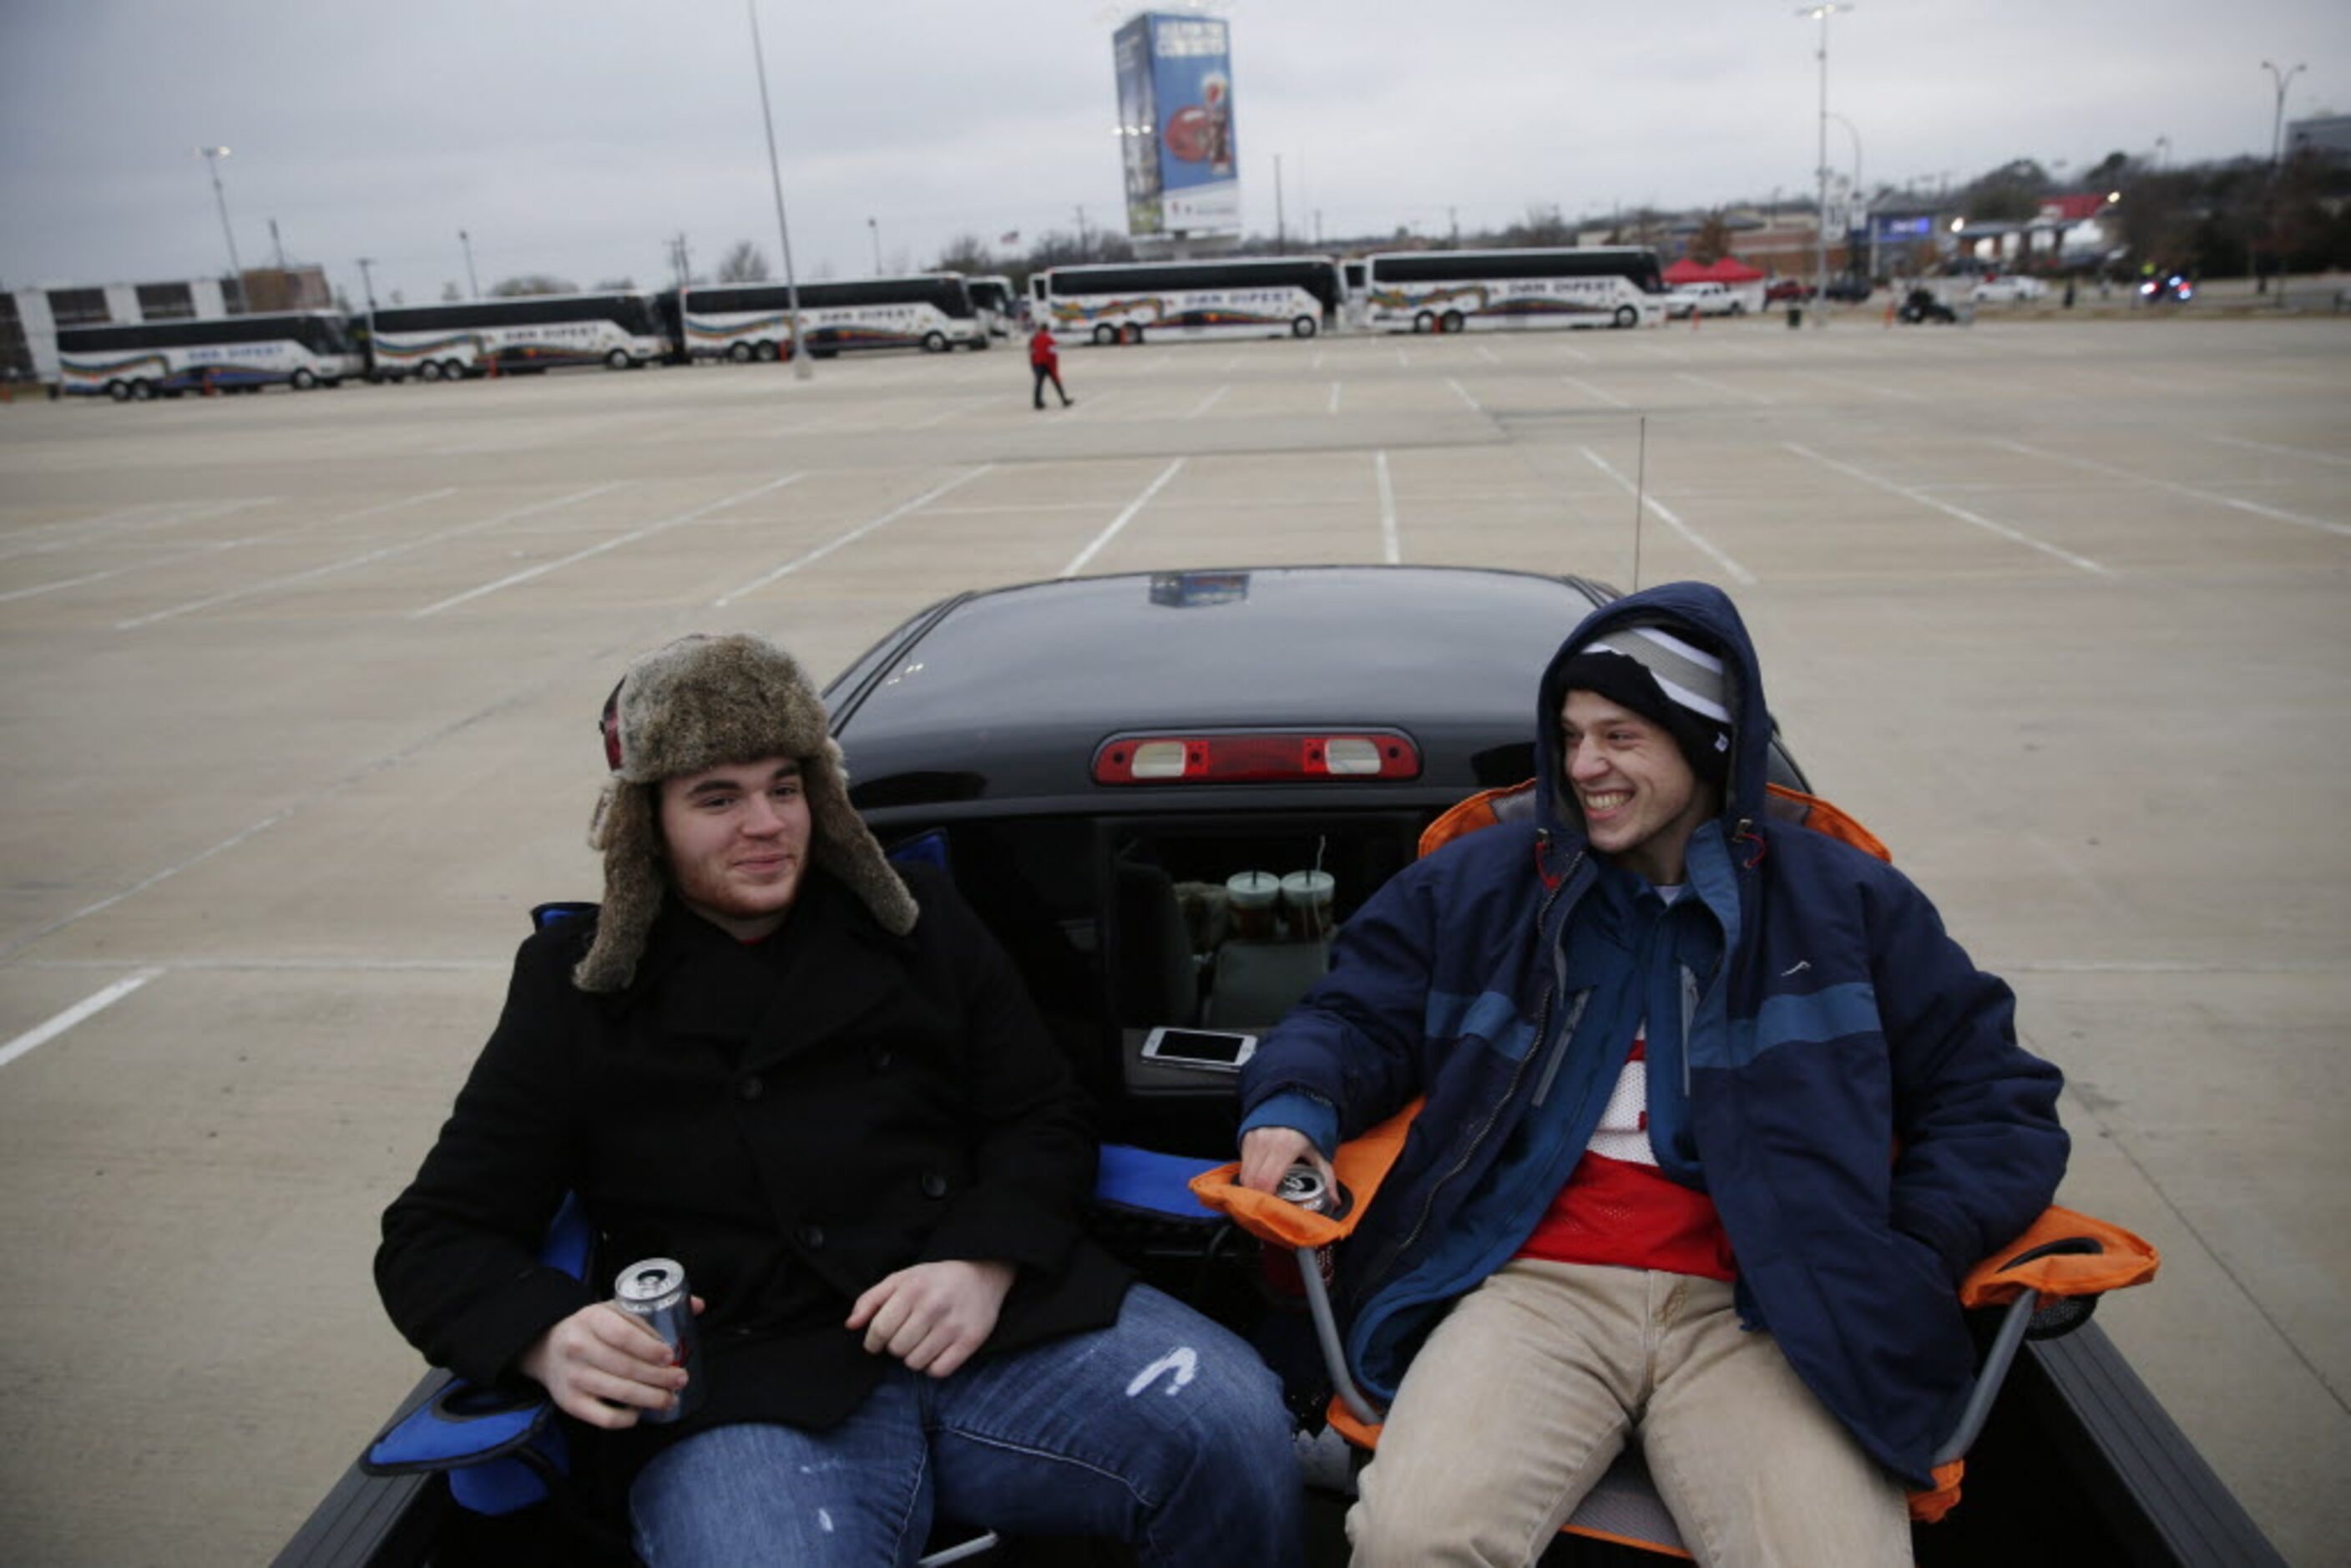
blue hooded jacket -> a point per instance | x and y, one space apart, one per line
1849 1089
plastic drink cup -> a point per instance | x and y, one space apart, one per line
1306 900
1250 895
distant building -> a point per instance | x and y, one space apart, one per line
29 318
2328 136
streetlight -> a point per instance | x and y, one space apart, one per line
367 282
776 177
1861 199
876 227
212 157
1822 14
2277 125
471 281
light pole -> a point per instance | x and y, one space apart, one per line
2281 80
212 157
1822 14
473 283
776 176
876 228
367 282
1281 231
1857 195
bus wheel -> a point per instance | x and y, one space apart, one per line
1423 323
1627 317
935 342
1104 335
118 391
142 390
302 380
765 352
1453 322
429 371
618 359
742 354
1304 326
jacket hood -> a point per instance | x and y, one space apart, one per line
1697 612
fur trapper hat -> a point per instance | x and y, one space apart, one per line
712 701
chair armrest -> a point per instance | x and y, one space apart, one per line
1360 1165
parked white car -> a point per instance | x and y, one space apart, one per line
1706 299
2007 289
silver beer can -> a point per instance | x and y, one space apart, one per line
1303 1185
655 1293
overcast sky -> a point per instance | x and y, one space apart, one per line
574 137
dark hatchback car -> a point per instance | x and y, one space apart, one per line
1162 791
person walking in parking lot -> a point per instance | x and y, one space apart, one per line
812 1078
1716 1120
1045 363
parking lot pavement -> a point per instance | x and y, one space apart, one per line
299 691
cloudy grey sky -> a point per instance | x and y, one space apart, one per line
574 137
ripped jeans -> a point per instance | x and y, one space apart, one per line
1163 1430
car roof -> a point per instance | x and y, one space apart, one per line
998 701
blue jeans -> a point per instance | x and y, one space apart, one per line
1164 1431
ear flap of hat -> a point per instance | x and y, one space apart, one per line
622 828
846 847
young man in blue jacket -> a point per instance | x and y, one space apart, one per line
1718 1118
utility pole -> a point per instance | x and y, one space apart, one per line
471 281
801 371
1085 246
1822 13
278 245
367 282
874 224
1280 232
1453 220
212 157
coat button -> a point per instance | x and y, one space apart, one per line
811 1237
934 1185
751 1087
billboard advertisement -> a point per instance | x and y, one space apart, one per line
1175 119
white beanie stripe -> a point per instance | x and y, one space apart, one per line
1688 675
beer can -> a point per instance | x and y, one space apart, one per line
1303 1185
655 1293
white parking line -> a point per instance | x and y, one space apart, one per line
364 559
1912 493
1488 355
87 1006
1738 573
2255 508
2282 451
1334 397
1078 563
1713 385
631 537
1464 393
851 536
1578 355
1209 403
1588 390
1391 546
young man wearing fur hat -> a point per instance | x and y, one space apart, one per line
813 1079
1718 1118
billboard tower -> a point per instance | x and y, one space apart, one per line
1176 125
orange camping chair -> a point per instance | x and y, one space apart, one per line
2048 1279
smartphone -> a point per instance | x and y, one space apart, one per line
1219 1050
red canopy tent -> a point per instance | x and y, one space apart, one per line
1730 269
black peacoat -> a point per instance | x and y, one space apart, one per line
790 1119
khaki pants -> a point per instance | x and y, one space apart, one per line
1525 1393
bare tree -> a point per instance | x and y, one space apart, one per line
743 263
616 286
966 253
1712 241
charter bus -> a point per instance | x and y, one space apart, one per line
994 298
754 320
1236 296
304 349
531 331
1459 290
